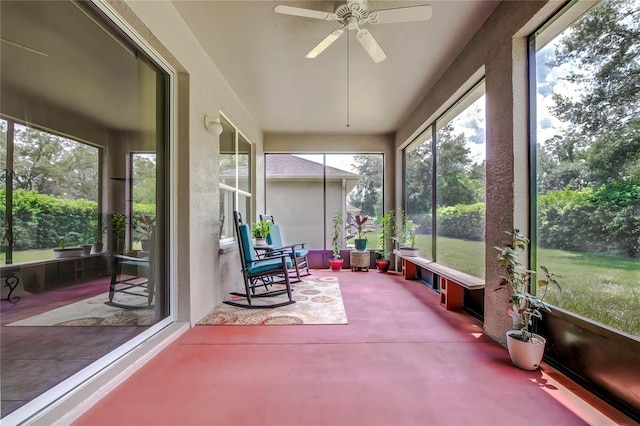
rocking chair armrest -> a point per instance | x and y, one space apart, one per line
130 258
276 256
279 251
293 246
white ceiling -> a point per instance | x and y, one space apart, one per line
261 54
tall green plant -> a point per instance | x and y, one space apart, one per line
335 239
405 235
524 306
387 224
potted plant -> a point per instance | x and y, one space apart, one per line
406 236
64 251
145 225
102 225
361 226
335 263
386 222
260 231
525 347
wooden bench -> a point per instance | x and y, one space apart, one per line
452 282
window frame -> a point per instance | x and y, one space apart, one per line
235 189
474 92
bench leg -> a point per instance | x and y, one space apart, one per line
451 294
408 270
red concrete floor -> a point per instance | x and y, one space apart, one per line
401 360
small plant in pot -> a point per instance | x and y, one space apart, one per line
63 251
145 225
260 231
525 347
335 263
360 225
406 236
101 226
386 223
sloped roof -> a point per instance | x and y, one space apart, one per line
280 166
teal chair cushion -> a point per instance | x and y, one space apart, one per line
247 244
274 238
267 265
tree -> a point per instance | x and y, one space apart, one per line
418 176
603 110
455 168
144 178
367 195
54 165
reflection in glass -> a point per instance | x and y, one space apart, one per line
83 168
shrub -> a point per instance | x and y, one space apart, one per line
465 221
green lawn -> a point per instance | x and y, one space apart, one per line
600 287
28 255
44 254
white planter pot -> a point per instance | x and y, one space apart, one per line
408 252
260 242
67 252
525 355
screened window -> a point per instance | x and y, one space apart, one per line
457 203
325 184
53 194
587 198
418 169
235 178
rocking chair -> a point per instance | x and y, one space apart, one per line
257 272
296 252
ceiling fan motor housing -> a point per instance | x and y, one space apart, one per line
352 14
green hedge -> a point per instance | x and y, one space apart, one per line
465 221
605 220
601 220
39 219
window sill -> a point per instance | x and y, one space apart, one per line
228 247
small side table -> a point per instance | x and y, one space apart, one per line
359 260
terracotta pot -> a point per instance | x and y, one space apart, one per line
525 355
382 265
336 264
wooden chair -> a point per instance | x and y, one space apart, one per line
267 272
137 281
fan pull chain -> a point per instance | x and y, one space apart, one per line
348 80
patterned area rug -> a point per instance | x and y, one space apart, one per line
93 312
318 301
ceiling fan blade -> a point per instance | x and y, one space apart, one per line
402 14
371 46
306 13
328 40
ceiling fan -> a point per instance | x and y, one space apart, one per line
351 16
